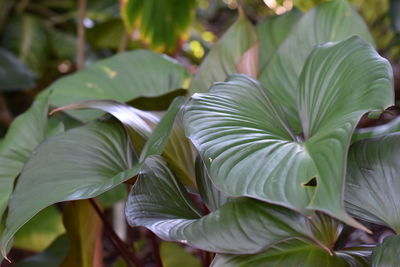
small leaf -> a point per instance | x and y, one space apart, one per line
388 253
376 131
221 61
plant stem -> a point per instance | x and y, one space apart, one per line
80 51
128 256
156 249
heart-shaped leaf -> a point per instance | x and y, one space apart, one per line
373 181
332 21
123 77
387 254
296 253
159 202
221 61
78 164
250 149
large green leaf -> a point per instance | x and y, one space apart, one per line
123 77
81 163
388 253
26 132
272 32
373 181
221 61
14 74
296 253
328 22
159 202
250 149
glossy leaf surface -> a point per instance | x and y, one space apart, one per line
159 202
251 150
123 78
295 253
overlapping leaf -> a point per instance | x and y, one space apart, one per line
221 61
296 253
250 149
388 253
159 202
123 78
80 163
373 181
26 132
332 21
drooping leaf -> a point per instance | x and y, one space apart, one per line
14 74
271 33
81 163
41 231
174 255
221 61
373 181
387 254
84 230
52 256
159 202
161 23
296 253
26 132
250 149
123 78
332 21
212 197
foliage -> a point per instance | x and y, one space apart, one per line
266 172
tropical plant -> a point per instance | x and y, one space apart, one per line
265 172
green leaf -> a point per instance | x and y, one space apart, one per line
390 127
161 23
52 256
14 74
159 202
212 197
387 254
296 253
332 21
26 132
272 31
41 231
123 78
250 149
373 181
81 163
84 230
174 255
221 61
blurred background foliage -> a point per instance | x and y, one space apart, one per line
38 44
